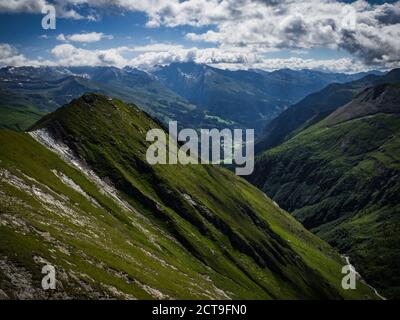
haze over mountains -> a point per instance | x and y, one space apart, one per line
249 98
316 106
197 96
44 90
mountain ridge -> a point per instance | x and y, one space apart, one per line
378 99
115 226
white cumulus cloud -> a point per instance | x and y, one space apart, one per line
84 37
367 31
69 55
146 57
241 32
9 56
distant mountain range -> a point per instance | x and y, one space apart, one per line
76 192
340 176
248 98
33 91
197 96
316 106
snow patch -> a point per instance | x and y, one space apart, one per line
48 201
43 136
69 182
105 188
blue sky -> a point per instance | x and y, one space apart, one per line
320 34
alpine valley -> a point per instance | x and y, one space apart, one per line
77 193
195 95
332 161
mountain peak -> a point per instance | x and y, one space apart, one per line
92 97
90 111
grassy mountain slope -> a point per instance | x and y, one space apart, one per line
17 112
340 178
18 119
113 226
317 106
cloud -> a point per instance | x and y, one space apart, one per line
160 54
146 57
369 32
64 9
84 37
243 59
157 47
31 6
9 56
150 55
61 37
68 55
345 65
243 31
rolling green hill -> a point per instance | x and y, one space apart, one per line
76 192
340 178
